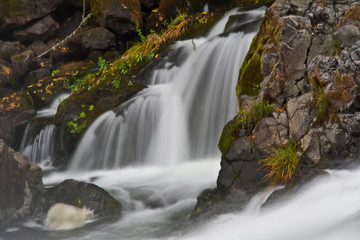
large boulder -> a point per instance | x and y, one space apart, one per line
23 194
98 38
80 194
41 30
20 183
119 16
19 12
8 49
23 63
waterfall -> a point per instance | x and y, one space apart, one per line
39 147
179 117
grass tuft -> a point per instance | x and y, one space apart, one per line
281 164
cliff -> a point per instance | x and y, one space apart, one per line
298 94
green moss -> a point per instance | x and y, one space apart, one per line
12 8
250 71
247 118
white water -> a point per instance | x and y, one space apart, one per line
159 196
181 115
39 148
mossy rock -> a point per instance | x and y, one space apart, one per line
250 72
12 8
16 102
44 90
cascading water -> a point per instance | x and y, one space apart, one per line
39 147
158 198
181 114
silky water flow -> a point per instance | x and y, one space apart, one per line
158 151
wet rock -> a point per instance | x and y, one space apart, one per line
23 63
41 30
119 16
168 8
79 194
98 38
20 183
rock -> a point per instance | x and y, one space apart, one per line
169 8
300 116
20 183
23 194
6 76
347 35
98 38
38 47
41 30
80 194
119 16
150 3
269 133
8 49
6 130
17 13
23 63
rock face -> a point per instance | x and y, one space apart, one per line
306 60
22 193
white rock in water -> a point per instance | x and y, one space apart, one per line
63 216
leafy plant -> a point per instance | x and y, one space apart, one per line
130 83
116 83
102 64
139 32
281 164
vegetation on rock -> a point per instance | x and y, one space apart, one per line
247 118
280 165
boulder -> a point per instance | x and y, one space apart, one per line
38 47
80 194
119 16
150 3
6 130
41 30
19 12
6 76
8 49
20 183
23 194
98 38
23 63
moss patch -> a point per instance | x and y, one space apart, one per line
250 71
247 118
12 8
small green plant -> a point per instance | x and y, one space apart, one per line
91 107
102 64
280 165
116 83
130 83
74 126
55 72
322 103
139 32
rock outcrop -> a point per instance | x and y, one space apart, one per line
305 61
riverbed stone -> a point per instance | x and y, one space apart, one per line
98 38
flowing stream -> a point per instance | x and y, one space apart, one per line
158 151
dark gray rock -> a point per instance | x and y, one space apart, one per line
98 38
20 182
38 47
6 130
41 30
23 63
8 49
79 194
